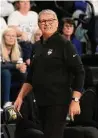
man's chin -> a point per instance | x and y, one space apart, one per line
49 32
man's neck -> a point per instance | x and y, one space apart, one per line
47 36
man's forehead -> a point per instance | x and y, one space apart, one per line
46 16
24 0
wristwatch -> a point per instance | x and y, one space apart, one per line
76 99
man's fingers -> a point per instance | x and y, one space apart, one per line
17 107
78 112
72 116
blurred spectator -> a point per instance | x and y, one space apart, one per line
12 66
67 29
37 35
26 47
85 31
3 26
6 8
24 21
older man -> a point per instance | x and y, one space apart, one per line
53 61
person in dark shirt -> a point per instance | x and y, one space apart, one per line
67 29
53 61
11 62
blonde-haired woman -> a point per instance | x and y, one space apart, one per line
11 61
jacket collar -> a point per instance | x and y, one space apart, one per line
51 38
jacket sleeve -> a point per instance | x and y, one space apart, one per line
75 66
8 65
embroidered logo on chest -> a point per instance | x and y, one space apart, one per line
34 56
50 51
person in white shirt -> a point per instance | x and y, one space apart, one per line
24 21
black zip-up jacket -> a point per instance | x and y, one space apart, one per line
53 62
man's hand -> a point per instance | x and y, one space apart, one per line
18 103
74 109
26 88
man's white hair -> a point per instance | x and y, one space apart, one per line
48 11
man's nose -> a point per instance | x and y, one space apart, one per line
47 22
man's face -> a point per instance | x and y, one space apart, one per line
48 24
68 29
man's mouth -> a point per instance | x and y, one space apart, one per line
47 28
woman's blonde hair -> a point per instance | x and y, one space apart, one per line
16 51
